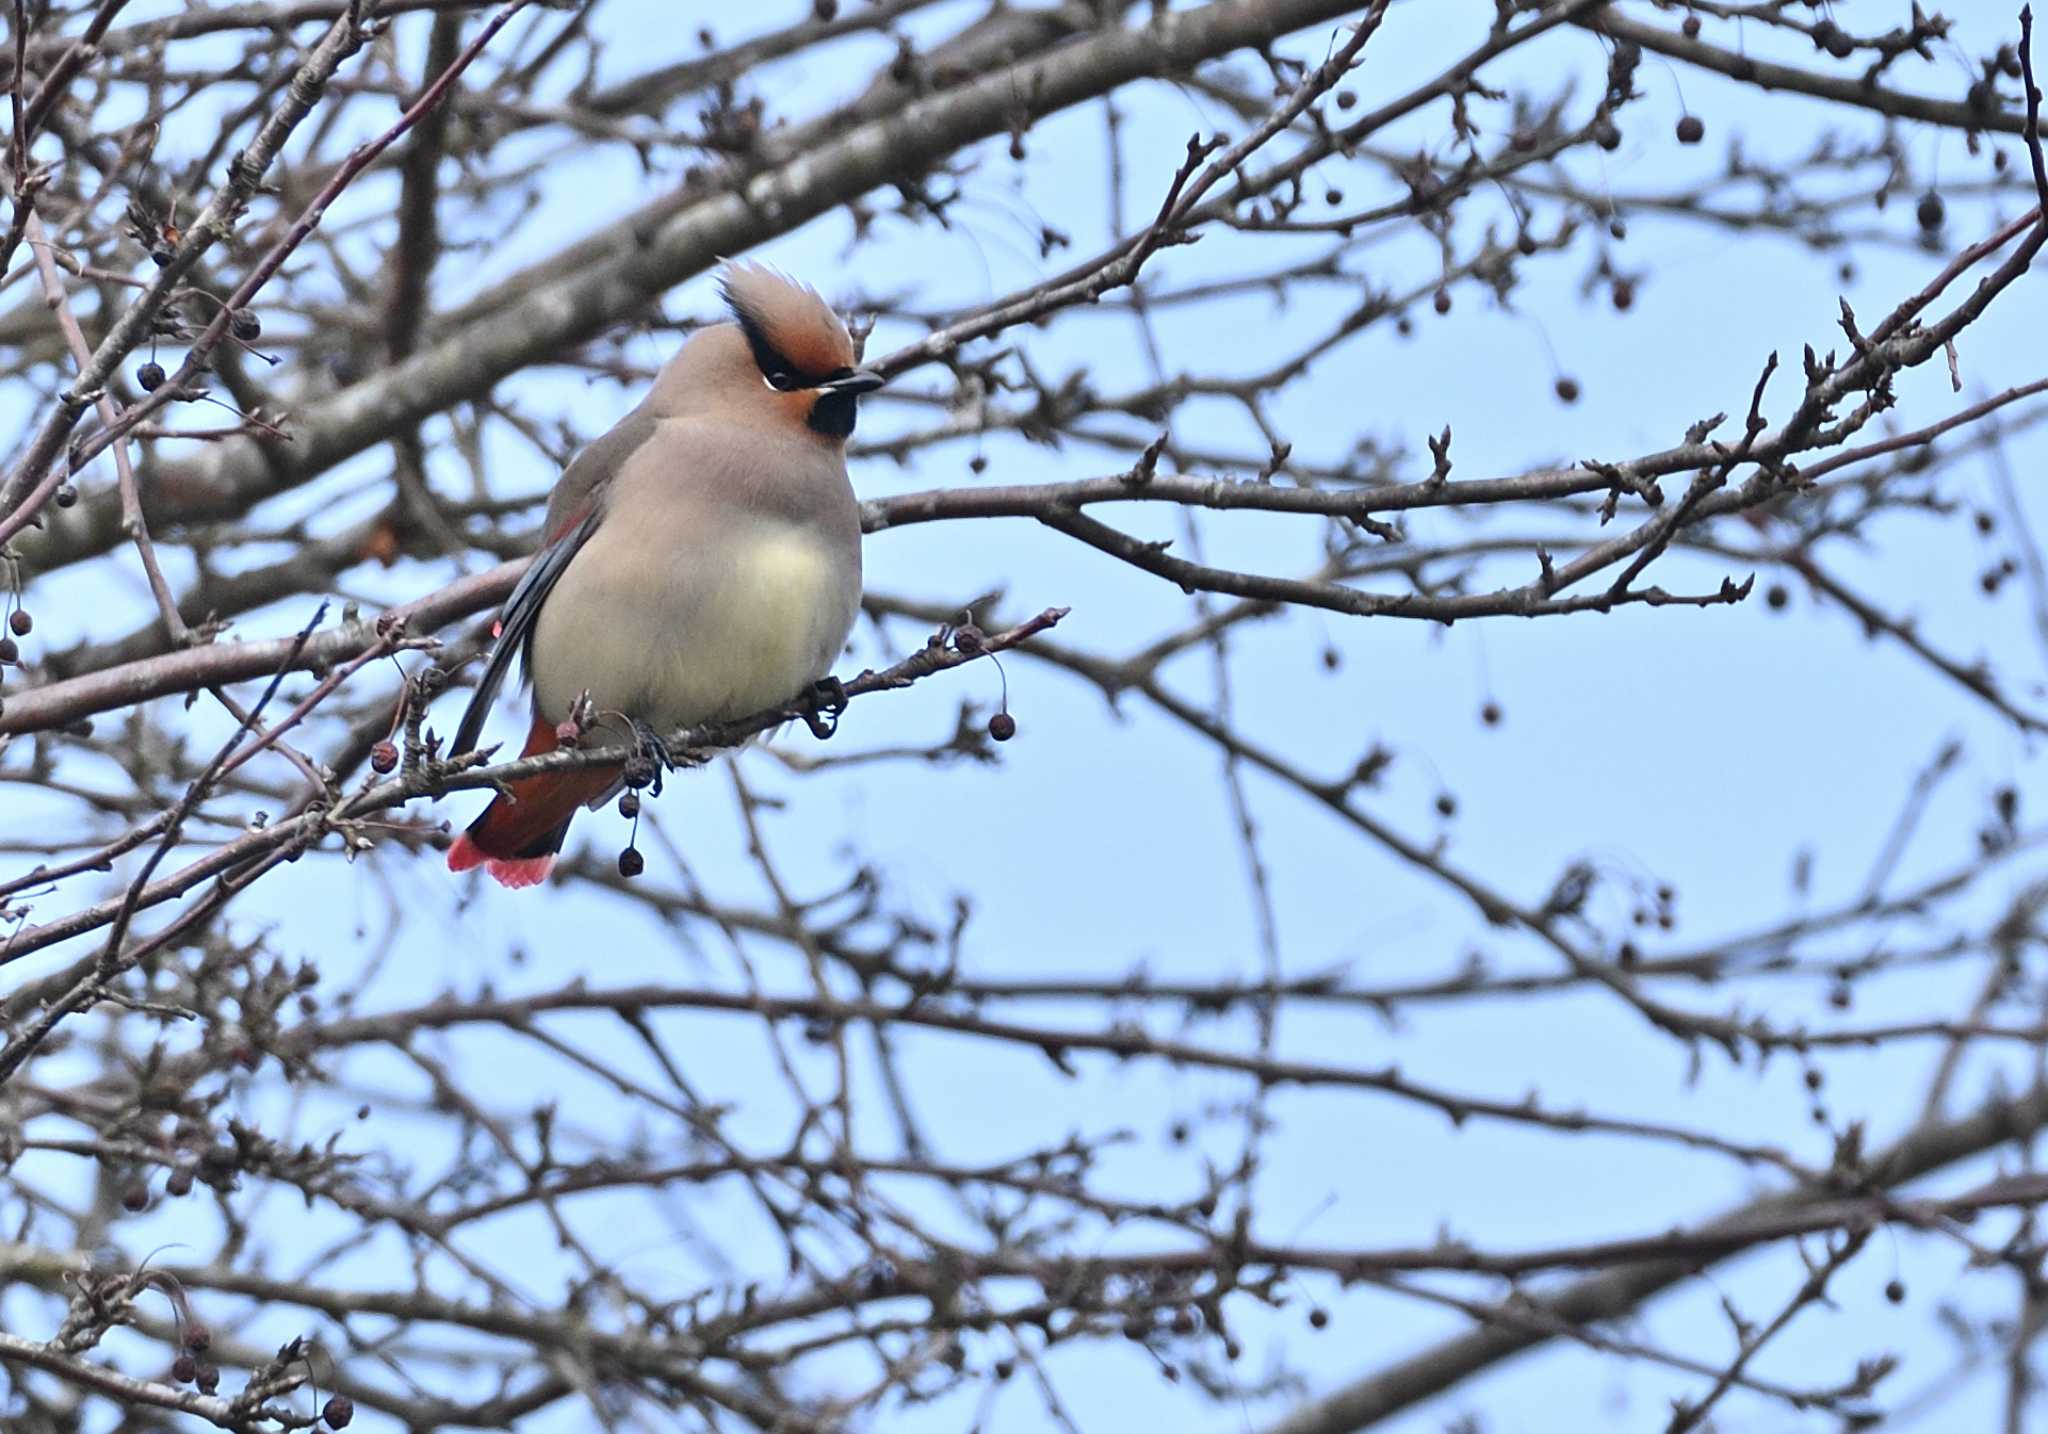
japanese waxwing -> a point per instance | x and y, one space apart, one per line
701 561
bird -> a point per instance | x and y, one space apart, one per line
701 561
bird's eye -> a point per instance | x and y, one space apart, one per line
781 379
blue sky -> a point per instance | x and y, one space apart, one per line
1703 748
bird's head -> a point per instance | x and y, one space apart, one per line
785 357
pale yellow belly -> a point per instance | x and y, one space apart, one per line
693 638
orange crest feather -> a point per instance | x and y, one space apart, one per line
787 320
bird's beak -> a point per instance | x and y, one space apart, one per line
861 380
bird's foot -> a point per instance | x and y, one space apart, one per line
821 705
650 759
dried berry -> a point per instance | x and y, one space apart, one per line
1691 27
150 377
1002 726
10 650
1691 130
246 326
1446 805
1776 597
21 622
184 1368
567 734
66 495
339 1411
1568 390
208 1378
1490 714
1895 1291
1607 135
1930 212
384 757
198 1338
631 863
1624 294
629 804
180 1182
135 1198
638 770
1318 1318
1442 301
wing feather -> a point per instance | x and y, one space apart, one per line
573 511
515 625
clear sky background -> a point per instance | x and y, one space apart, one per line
1704 748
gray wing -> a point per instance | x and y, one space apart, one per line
572 512
515 625
590 470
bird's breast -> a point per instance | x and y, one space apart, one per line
696 631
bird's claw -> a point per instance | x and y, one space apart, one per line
650 758
822 704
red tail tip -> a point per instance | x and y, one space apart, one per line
519 872
515 873
464 854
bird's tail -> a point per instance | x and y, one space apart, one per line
516 838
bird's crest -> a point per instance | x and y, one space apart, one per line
796 338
